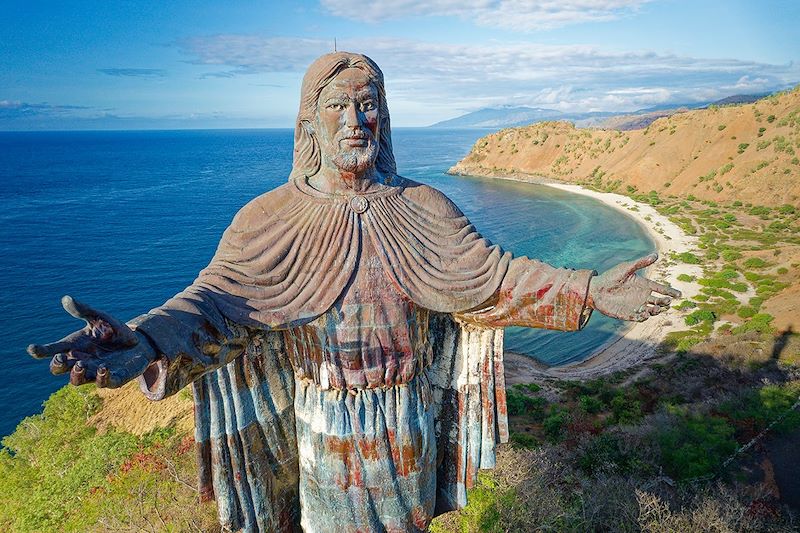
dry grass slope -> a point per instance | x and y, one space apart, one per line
719 154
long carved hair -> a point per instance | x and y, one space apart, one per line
307 157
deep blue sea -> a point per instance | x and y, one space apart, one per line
124 220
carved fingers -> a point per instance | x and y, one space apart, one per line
642 262
102 352
102 326
655 300
661 288
43 351
84 368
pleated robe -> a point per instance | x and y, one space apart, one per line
286 259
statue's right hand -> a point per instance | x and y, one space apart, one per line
105 351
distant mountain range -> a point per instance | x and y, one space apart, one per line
512 116
509 116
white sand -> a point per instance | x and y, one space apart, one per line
639 341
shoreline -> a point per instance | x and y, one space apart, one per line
637 342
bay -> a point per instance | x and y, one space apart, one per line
125 219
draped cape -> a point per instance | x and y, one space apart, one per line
289 254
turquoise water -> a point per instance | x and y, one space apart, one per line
124 220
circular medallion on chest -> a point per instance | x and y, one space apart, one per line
359 204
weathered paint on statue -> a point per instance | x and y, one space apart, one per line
345 343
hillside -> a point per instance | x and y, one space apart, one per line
737 152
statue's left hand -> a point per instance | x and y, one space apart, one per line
621 293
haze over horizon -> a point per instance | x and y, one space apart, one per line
151 65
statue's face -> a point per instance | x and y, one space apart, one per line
347 122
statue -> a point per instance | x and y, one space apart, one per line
345 343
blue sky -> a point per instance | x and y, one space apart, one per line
203 64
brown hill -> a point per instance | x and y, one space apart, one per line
747 152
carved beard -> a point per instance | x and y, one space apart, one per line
355 159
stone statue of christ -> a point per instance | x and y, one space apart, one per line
345 344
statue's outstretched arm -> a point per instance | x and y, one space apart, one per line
534 294
537 295
191 337
167 348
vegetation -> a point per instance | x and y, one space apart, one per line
696 446
60 474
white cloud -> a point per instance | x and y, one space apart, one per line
521 15
451 78
748 83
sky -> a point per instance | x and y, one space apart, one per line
154 64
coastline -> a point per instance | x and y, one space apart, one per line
639 341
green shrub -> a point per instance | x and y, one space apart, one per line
753 276
721 307
696 446
755 262
701 315
519 404
590 404
746 312
764 405
686 277
688 257
778 225
625 410
530 387
682 341
554 423
759 323
719 293
721 283
523 440
486 499
731 255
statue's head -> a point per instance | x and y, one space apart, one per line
343 119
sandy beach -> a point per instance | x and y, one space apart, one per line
639 341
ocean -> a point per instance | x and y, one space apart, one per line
123 220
